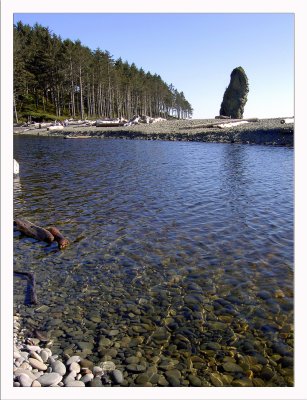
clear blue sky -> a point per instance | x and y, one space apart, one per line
196 52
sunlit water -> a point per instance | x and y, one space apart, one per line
181 253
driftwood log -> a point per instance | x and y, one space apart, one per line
46 235
216 124
31 288
58 237
33 231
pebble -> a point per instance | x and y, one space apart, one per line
87 378
73 359
232 367
44 355
96 382
37 364
135 368
74 366
48 379
117 376
74 383
108 366
70 377
25 380
36 384
59 367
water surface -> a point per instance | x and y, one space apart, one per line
181 253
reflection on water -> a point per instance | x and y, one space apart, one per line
181 255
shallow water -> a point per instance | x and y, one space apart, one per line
181 254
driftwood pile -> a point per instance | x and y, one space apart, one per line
223 124
48 235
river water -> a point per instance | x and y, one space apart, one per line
181 257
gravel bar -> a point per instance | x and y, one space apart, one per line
264 131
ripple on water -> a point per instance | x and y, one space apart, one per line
181 256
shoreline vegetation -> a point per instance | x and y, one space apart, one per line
270 131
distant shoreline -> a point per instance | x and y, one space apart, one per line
265 132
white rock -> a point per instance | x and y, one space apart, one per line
48 351
97 370
74 366
48 379
75 383
44 355
70 377
33 348
73 359
37 364
33 354
20 371
25 380
59 367
17 354
36 384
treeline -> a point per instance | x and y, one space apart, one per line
65 78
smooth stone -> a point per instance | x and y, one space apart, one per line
33 348
58 367
86 364
37 364
161 335
217 326
36 384
141 379
19 371
48 379
194 380
74 366
132 360
173 377
73 359
25 380
212 346
107 366
87 378
117 376
16 384
70 377
267 373
113 332
104 342
97 370
137 368
17 354
242 383
232 367
96 382
85 345
74 383
162 381
44 355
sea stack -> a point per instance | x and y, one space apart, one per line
235 96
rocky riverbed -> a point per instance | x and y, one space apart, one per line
263 131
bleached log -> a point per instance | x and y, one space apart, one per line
287 121
232 124
55 128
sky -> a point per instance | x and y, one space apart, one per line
196 52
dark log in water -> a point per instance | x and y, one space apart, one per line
31 297
33 231
58 237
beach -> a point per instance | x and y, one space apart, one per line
264 131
